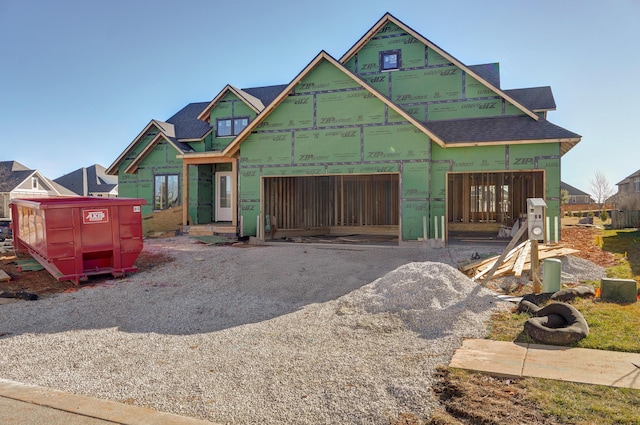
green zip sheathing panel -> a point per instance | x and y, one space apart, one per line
330 125
202 180
426 84
161 160
507 158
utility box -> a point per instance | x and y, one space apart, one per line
74 238
535 218
622 290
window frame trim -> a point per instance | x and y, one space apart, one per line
234 133
382 54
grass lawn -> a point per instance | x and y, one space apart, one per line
612 327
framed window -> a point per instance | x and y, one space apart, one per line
231 126
166 191
34 183
390 60
636 184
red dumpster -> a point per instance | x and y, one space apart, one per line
74 238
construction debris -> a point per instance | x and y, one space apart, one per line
29 265
515 262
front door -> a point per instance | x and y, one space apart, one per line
224 197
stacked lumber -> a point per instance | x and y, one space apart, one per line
515 262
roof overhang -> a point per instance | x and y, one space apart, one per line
163 127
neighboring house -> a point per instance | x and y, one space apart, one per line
630 185
397 136
18 181
90 181
576 196
626 202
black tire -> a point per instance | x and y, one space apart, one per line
557 324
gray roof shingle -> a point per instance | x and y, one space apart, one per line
186 122
499 129
534 98
96 180
488 71
266 94
12 173
188 127
572 190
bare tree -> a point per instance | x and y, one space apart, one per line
600 188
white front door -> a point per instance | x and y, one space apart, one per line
224 195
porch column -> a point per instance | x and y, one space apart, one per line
185 192
234 191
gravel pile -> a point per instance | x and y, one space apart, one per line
285 333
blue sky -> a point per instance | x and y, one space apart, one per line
80 79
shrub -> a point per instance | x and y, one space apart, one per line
604 216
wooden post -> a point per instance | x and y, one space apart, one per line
535 267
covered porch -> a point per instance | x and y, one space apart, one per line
209 193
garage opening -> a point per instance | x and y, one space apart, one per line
332 205
479 204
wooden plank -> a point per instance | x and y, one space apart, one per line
519 264
516 238
4 277
494 260
535 267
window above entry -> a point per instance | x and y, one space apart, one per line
227 127
390 60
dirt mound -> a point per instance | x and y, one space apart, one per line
163 223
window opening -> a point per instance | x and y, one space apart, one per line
390 60
231 126
166 192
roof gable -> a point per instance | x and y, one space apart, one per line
153 129
135 163
12 175
299 85
389 25
629 178
251 101
15 176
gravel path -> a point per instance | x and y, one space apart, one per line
285 333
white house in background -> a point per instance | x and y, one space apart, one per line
18 181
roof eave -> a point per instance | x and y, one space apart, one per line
566 144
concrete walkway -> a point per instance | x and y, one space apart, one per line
22 404
611 368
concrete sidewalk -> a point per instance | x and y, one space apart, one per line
22 404
598 367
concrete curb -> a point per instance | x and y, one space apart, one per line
91 407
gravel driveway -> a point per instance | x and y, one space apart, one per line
284 333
